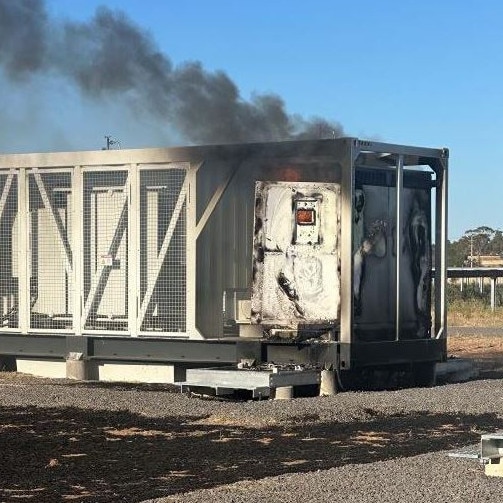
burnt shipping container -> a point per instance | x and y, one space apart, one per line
309 252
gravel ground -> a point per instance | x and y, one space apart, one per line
96 442
424 478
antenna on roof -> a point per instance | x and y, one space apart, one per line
111 143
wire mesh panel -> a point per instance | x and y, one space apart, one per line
163 235
50 258
9 284
105 250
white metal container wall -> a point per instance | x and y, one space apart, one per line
95 249
225 244
218 227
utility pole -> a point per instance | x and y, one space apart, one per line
471 250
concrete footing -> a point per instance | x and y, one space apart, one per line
77 369
137 372
328 383
284 393
82 370
50 368
456 370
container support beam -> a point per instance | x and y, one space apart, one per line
347 273
191 252
398 239
440 252
24 263
133 248
77 240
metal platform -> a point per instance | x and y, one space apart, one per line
488 452
224 381
489 448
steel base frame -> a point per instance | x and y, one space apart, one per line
226 351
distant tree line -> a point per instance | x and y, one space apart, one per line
474 243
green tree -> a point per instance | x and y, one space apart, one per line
457 253
479 240
467 249
496 244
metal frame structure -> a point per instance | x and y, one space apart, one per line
493 273
399 157
210 174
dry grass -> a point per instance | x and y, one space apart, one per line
473 313
475 346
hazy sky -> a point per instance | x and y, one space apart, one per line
427 73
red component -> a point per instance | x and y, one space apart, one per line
306 216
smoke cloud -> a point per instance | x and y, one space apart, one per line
109 56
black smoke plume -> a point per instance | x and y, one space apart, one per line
110 56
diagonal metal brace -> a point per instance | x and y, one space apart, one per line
102 274
215 199
164 249
5 193
67 251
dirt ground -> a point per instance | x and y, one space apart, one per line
485 349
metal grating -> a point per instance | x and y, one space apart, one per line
163 236
50 257
105 228
9 266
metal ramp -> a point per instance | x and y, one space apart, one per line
466 452
261 382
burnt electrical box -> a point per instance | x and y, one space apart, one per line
296 254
